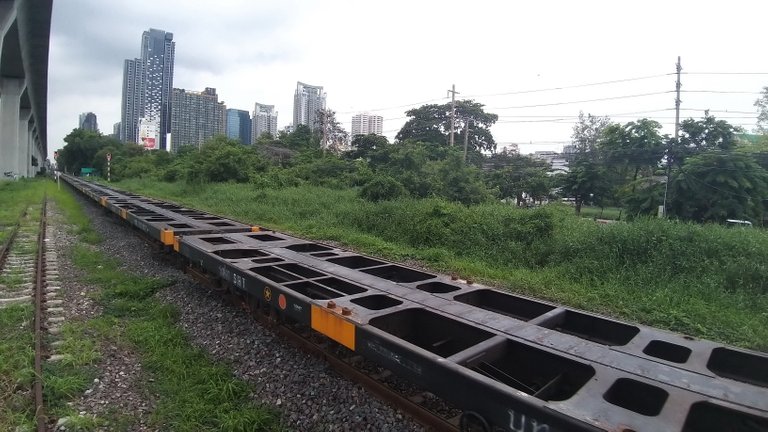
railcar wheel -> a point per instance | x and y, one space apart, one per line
473 422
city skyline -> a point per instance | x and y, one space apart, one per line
264 121
366 123
146 97
546 73
238 125
307 100
196 117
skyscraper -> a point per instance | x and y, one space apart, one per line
196 117
147 84
88 122
264 120
131 105
364 124
239 125
306 101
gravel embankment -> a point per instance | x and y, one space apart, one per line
118 389
310 395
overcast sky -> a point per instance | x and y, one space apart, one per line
387 56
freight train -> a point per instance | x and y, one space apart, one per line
509 362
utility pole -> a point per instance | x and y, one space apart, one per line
678 68
466 138
452 92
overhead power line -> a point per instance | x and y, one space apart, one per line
584 100
720 92
517 92
724 73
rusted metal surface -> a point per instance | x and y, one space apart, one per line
40 415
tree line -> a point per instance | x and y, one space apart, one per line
713 173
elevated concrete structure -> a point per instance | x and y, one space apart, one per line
25 28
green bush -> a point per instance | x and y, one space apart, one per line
382 188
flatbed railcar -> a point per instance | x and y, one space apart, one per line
510 362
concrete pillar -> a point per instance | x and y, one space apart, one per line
25 154
10 94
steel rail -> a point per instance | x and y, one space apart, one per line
40 416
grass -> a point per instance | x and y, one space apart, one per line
707 281
16 335
194 393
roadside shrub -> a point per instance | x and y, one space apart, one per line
382 188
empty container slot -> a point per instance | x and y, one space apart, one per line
340 285
636 396
396 273
376 302
313 290
274 274
708 417
308 247
180 225
505 304
239 253
438 287
220 224
266 260
435 333
355 262
217 240
668 351
593 328
741 366
534 371
204 217
159 219
324 254
265 237
300 270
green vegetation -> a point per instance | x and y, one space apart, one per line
16 335
420 199
704 280
194 393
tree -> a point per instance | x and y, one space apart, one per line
587 132
715 186
585 181
762 112
515 176
630 149
432 124
699 136
300 139
81 148
364 145
332 136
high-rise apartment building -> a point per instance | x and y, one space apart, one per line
116 131
306 101
364 124
196 117
147 84
131 106
88 122
239 125
264 121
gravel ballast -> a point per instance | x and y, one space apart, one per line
310 396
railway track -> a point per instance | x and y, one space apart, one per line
505 362
27 265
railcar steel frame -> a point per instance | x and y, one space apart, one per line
512 362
